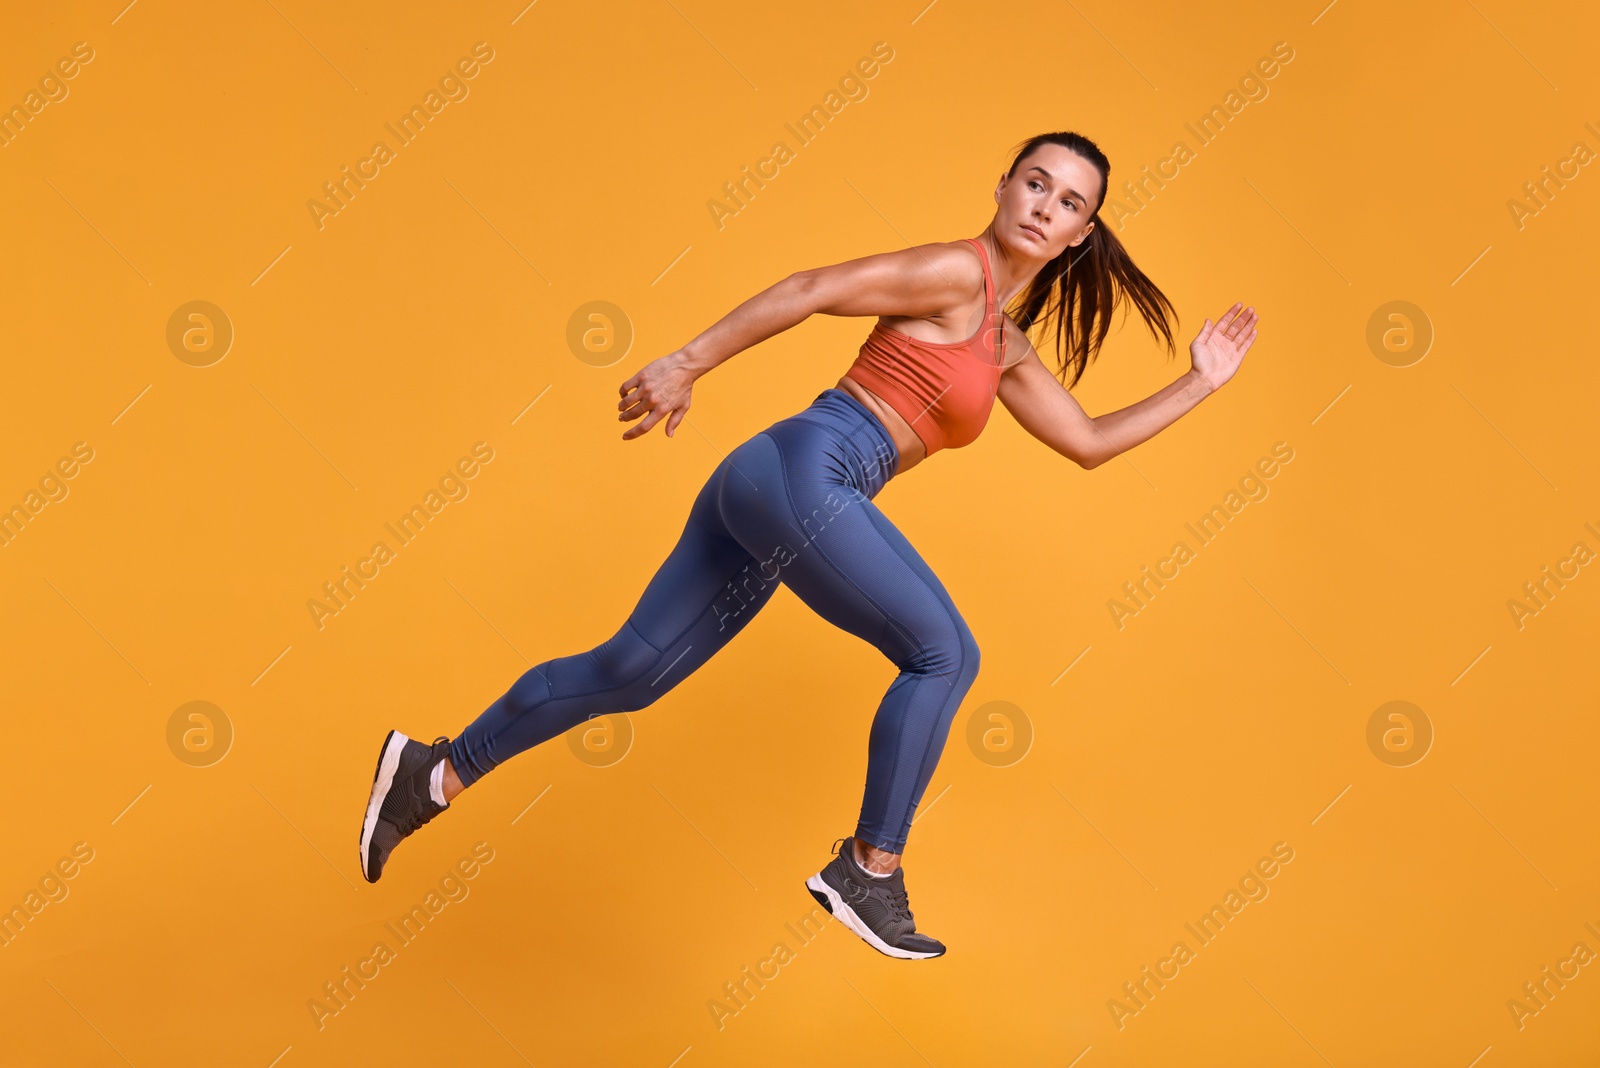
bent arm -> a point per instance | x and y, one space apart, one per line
927 280
1044 408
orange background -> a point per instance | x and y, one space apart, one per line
369 354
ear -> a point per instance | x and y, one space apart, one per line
1082 236
999 187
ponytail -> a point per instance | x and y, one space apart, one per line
1090 281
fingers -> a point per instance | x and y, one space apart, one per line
1240 323
1233 324
1229 319
652 417
626 387
643 428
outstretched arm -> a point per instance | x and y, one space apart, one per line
924 281
1044 408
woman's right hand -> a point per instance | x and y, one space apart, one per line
659 391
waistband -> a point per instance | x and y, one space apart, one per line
875 456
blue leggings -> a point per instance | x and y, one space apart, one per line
791 505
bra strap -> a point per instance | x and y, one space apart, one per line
988 302
988 282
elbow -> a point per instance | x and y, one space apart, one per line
1092 460
1082 453
1088 459
802 290
1091 449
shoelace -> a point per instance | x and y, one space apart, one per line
412 820
898 902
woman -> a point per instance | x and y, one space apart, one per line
793 505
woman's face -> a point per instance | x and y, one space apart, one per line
1047 204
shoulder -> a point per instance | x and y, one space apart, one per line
958 262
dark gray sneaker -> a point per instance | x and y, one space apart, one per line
875 909
400 801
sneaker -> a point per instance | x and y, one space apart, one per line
873 908
400 801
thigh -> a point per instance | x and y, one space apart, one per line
706 591
839 553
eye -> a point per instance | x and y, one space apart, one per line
1033 183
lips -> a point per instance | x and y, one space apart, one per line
1034 230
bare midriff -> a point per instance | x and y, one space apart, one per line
910 447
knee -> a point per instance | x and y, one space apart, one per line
624 664
969 657
952 653
530 690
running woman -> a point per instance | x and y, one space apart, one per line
793 505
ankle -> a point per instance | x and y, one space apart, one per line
874 861
451 782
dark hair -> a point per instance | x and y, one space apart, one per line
1091 279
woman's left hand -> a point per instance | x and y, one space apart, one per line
1219 348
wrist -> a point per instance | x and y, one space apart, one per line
687 359
1198 385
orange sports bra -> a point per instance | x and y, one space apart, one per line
945 390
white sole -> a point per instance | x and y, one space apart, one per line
393 747
847 916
